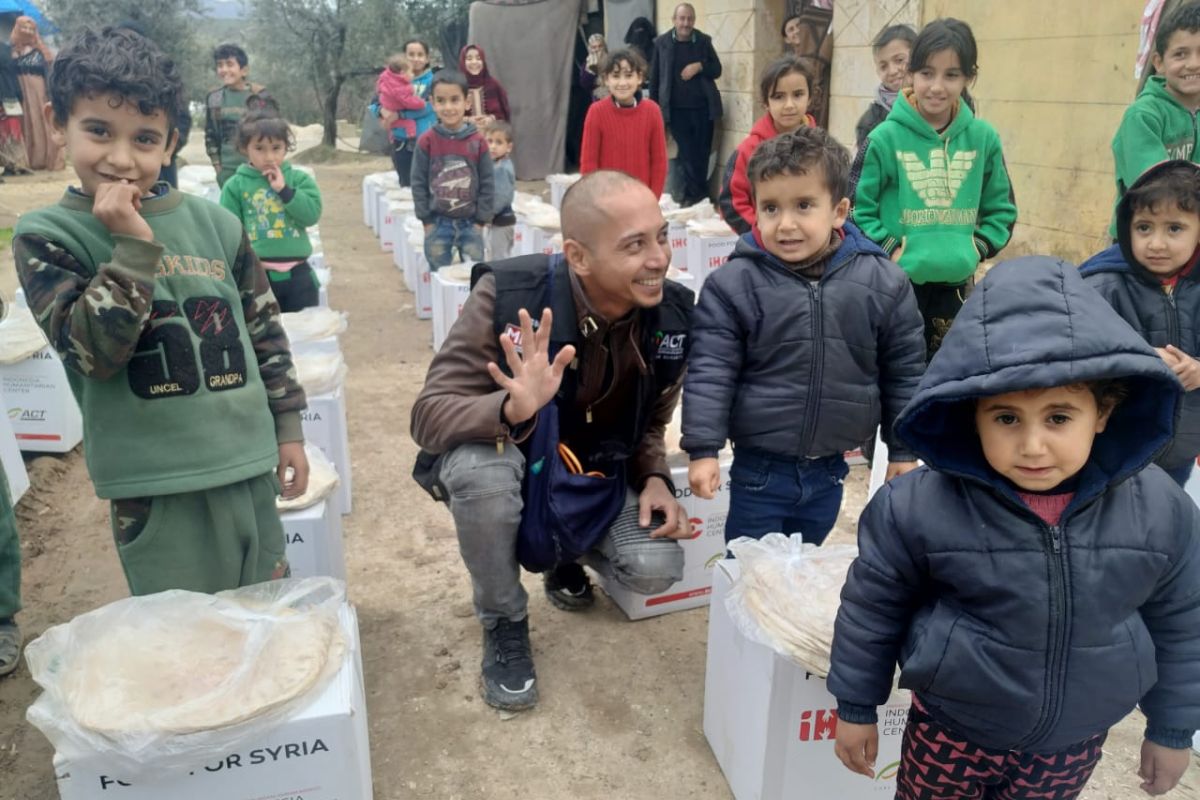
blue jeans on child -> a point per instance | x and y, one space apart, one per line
772 494
448 234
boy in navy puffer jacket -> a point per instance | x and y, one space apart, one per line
1038 578
804 341
1149 277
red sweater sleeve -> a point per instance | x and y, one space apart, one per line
589 151
739 187
658 150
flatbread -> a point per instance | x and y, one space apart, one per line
217 670
319 372
312 324
20 336
322 480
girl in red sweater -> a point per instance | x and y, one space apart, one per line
786 89
623 132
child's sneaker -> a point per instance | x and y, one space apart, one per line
10 646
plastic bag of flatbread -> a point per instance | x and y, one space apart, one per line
20 336
701 210
788 595
156 684
710 226
312 324
319 371
542 215
322 480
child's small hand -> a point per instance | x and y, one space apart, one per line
116 205
857 747
1161 768
897 468
291 454
275 177
1186 368
428 228
704 476
899 251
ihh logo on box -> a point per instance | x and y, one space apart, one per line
818 724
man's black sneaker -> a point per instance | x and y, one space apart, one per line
508 679
568 588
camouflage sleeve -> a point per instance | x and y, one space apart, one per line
284 394
94 322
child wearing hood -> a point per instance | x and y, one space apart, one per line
486 99
1149 278
1038 578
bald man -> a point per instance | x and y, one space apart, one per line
683 74
608 352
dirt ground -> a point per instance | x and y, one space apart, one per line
620 715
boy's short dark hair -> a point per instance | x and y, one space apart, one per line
800 153
626 55
1178 184
1109 392
228 50
786 20
891 34
501 127
121 63
1184 18
421 42
265 124
787 65
450 77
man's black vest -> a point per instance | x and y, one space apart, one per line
665 332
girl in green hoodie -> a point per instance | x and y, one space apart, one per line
933 189
276 204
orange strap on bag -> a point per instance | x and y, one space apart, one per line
574 465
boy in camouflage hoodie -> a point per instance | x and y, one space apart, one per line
170 334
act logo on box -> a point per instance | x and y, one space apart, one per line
27 414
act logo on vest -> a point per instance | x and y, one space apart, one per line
670 345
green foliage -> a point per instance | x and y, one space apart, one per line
168 23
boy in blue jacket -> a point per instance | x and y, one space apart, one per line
1149 278
803 342
1038 578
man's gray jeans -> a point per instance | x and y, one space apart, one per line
485 499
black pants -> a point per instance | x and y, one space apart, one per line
299 291
402 158
939 304
693 132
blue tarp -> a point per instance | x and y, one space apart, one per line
28 9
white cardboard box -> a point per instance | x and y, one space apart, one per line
704 549
424 291
520 245
707 253
44 415
678 237
448 298
771 725
324 423
10 459
314 541
321 752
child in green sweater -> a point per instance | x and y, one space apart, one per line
933 190
276 204
1161 124
168 329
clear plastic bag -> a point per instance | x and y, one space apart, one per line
322 480
313 323
788 594
319 371
160 683
20 336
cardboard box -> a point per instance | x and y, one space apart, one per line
704 549
520 239
678 237
424 291
324 423
317 259
707 253
314 541
448 298
321 752
771 725
44 415
11 461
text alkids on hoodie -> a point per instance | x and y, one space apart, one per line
946 195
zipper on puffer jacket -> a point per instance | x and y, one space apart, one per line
1172 317
815 372
1058 636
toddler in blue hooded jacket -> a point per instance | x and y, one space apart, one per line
1038 578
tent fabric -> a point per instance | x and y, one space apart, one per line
538 81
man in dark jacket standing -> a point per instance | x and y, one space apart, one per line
609 356
683 75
